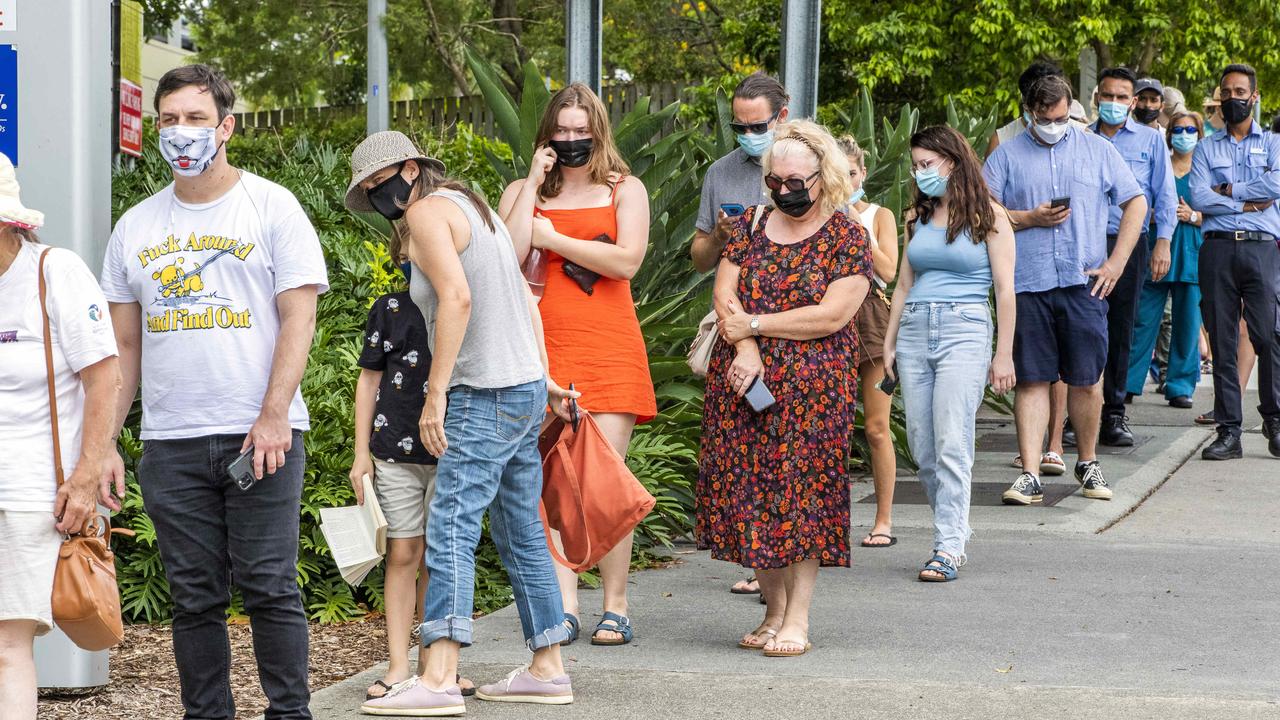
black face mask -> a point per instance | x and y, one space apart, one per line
572 153
1145 115
388 196
1236 110
795 203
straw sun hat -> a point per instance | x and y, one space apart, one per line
376 152
12 211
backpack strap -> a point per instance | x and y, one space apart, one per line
48 366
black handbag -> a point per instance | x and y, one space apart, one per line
585 278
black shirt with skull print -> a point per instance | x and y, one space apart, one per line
395 343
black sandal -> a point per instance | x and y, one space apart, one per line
466 692
892 541
385 687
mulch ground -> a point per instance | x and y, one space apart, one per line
144 678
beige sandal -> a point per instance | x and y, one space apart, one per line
765 633
790 653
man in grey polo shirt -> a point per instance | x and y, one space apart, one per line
737 179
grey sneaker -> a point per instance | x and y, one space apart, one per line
413 699
1089 475
1024 491
521 686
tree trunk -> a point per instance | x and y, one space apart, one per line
444 48
1103 52
507 21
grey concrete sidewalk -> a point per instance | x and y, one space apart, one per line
1172 612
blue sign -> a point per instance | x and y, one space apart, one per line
9 102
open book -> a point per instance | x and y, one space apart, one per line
357 535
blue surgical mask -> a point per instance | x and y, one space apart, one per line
1113 113
1185 142
857 195
1026 117
756 145
931 183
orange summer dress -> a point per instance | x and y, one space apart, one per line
594 341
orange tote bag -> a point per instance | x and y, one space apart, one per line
588 493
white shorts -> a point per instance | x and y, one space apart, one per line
404 491
28 555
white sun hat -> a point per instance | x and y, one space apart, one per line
12 211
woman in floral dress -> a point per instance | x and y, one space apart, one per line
772 490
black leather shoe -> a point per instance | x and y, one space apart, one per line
1226 447
1182 401
1068 434
1271 430
1115 432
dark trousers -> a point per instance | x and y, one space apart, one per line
1236 274
211 532
1122 312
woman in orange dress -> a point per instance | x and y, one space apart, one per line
582 208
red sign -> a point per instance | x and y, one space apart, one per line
130 118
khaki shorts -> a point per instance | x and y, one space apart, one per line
872 323
28 555
404 491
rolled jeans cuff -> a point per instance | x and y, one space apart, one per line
457 629
551 636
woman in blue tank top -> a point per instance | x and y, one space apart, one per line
939 338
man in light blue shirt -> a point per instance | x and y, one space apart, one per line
1058 184
1235 182
1143 149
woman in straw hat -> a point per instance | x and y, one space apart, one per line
488 364
34 509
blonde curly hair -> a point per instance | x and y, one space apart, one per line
805 137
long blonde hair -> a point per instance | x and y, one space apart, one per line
806 136
606 164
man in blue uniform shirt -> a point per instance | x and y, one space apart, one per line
1058 183
1143 149
1235 182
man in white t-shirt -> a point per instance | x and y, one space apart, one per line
212 284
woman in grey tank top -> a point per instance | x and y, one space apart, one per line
489 366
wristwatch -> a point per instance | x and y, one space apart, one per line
755 326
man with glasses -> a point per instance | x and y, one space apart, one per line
1144 150
1058 184
1235 182
733 183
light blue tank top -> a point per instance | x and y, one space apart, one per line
959 272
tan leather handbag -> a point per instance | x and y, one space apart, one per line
699 356
86 600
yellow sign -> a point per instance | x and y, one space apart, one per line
131 14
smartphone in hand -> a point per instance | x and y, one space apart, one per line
888 385
241 470
1062 202
733 209
759 397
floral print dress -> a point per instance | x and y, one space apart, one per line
772 489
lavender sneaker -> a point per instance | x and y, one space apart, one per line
413 699
521 686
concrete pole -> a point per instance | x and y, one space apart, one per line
582 45
1088 78
378 109
801 34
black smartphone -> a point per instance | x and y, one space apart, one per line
574 415
759 397
888 384
1062 202
241 470
733 209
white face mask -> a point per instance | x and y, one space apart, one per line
189 150
1051 133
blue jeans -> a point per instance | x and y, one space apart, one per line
492 463
212 534
943 354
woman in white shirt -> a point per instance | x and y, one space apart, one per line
34 510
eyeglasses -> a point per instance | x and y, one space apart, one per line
773 182
1188 129
753 128
1046 123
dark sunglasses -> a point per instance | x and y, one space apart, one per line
1189 129
773 182
753 128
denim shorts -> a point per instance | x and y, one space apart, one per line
1061 335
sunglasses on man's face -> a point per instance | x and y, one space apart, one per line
773 182
759 128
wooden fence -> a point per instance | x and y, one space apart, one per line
447 112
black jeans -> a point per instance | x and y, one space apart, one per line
209 532
1236 274
1122 313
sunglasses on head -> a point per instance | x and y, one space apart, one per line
773 182
1189 129
759 128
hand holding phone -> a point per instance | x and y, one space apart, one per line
241 470
889 383
758 396
1061 202
732 209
